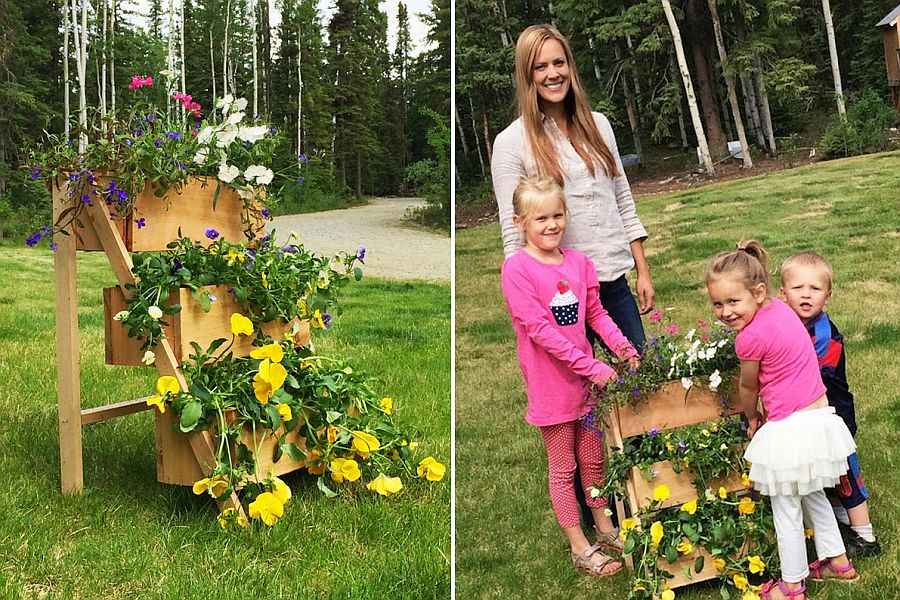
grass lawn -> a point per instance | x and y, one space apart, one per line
507 539
128 536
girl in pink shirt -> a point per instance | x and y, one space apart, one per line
550 292
800 446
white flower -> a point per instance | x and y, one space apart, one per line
607 511
149 358
201 156
261 174
167 74
723 447
205 134
121 315
708 493
227 173
722 343
671 371
155 312
225 103
234 118
690 334
252 134
226 136
240 104
715 380
595 491
245 193
687 382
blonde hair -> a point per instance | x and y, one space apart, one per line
531 191
749 259
583 132
809 259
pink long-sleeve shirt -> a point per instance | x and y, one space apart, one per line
548 305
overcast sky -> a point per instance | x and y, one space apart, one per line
417 28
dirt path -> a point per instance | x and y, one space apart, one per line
393 249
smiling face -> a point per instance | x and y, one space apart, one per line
550 73
733 302
543 225
806 289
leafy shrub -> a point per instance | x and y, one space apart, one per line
863 129
431 177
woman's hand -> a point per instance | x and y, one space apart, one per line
646 295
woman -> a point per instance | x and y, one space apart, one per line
557 135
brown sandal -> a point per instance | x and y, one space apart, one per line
609 541
601 566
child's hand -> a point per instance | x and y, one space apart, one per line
754 423
634 362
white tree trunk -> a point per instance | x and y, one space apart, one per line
81 65
460 131
832 51
181 40
212 65
674 70
764 103
105 40
688 89
170 57
112 58
729 84
255 60
475 134
299 103
225 51
66 69
751 107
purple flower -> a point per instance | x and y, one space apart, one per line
212 298
326 320
273 131
302 158
289 249
635 392
86 199
140 222
621 381
265 213
361 252
73 176
256 117
138 132
122 194
176 266
54 247
128 142
232 293
46 231
180 165
173 135
33 239
35 173
212 233
157 143
682 445
69 143
300 181
654 432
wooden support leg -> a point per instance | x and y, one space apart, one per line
68 363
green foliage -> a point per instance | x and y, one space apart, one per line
432 176
863 129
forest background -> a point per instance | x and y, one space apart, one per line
774 54
373 116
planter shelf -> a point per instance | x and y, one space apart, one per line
189 211
681 485
192 323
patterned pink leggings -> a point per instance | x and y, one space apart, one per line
566 443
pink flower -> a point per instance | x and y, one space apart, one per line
655 316
187 102
703 324
672 329
138 81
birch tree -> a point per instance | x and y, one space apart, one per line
65 57
688 88
255 62
832 52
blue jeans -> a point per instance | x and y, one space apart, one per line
619 302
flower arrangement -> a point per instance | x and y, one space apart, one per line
703 355
275 282
162 147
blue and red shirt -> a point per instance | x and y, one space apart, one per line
829 345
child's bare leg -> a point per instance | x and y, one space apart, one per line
859 515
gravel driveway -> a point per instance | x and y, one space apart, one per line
393 249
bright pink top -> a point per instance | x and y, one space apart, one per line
789 377
548 305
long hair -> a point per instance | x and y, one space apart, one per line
583 132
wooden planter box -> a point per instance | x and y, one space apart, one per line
192 323
672 406
683 568
190 210
681 485
176 464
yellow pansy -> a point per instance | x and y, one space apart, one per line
267 507
315 455
317 320
214 485
807 533
661 492
385 485
685 547
165 385
723 493
656 532
331 434
229 517
740 582
364 443
285 411
265 281
745 480
639 587
714 426
689 507
273 352
746 506
667 595
268 380
281 490
234 257
705 432
431 469
345 469
749 595
387 405
241 325
157 402
756 564
719 564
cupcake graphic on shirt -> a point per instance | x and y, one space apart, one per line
564 305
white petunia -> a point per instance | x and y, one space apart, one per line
155 312
244 193
235 118
240 104
687 382
259 173
252 134
205 134
149 358
595 492
226 136
724 446
690 334
225 103
202 156
227 173
715 380
121 315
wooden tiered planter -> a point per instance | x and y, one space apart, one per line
191 324
191 211
669 407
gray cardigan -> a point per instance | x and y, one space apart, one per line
602 219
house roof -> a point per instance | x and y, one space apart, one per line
891 19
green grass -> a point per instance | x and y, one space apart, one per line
507 539
128 536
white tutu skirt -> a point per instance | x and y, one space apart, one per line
800 454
